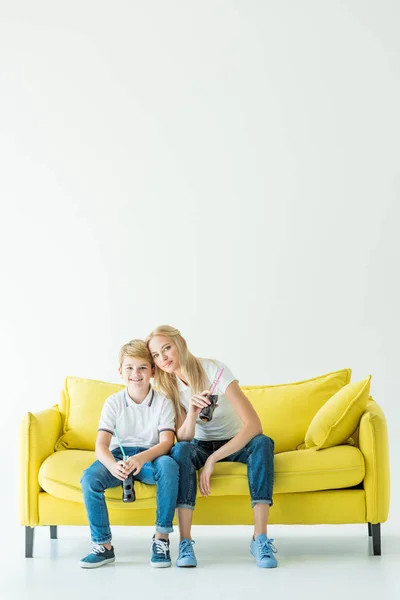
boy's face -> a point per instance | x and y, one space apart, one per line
136 373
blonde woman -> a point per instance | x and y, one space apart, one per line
233 434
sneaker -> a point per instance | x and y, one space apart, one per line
98 557
186 556
263 550
160 556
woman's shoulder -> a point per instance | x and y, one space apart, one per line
211 365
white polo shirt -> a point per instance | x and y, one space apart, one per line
225 423
137 424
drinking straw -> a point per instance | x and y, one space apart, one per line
120 445
214 385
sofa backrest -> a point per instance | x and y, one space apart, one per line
285 410
81 404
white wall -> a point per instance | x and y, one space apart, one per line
228 167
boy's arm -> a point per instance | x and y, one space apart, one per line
136 462
103 454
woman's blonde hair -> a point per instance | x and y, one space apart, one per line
135 349
190 366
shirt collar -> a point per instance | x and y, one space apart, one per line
146 402
182 386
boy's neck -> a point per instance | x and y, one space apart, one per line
138 397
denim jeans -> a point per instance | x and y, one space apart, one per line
258 454
163 472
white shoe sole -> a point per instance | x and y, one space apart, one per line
160 565
85 565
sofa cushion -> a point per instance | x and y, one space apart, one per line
287 410
296 471
60 476
338 418
84 399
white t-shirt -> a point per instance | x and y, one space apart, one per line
137 424
225 423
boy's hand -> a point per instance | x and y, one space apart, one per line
134 464
119 470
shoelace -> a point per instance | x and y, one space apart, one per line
98 549
186 549
266 548
161 547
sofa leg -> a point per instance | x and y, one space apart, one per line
29 535
53 532
369 529
376 538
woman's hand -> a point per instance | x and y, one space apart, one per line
205 476
119 470
134 464
198 402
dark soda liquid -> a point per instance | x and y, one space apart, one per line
128 492
207 412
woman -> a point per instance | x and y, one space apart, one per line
233 434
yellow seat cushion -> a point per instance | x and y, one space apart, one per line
296 471
83 401
287 410
339 417
60 476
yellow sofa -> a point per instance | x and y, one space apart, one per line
345 483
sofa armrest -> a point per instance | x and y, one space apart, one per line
373 442
38 435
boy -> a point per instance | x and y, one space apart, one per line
145 423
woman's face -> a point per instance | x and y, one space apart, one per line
165 353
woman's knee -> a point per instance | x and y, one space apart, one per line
182 452
166 464
262 442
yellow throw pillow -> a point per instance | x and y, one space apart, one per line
338 418
286 410
84 399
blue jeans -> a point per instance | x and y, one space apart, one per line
258 454
163 472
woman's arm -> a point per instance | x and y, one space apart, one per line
251 422
185 429
251 428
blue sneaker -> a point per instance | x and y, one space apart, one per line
160 556
98 557
186 556
263 550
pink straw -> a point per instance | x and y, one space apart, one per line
214 385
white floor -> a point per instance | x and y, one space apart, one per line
323 562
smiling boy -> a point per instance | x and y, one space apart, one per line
145 423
